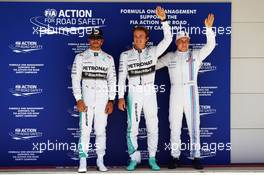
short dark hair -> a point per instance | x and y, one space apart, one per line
141 28
97 33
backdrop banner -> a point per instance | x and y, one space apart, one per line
39 123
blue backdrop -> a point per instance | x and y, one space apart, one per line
39 120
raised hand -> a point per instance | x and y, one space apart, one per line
209 21
160 12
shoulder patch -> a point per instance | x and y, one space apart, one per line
81 54
108 56
127 52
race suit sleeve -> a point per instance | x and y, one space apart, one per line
164 44
209 46
76 76
163 61
111 80
122 75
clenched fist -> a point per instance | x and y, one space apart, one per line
81 106
109 107
122 104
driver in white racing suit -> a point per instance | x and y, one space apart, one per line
94 88
183 66
138 66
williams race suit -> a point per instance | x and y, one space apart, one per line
184 98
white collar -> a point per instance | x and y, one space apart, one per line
142 51
95 51
182 53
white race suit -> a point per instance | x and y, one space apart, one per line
139 68
96 71
183 70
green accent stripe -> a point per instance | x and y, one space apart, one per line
131 148
81 152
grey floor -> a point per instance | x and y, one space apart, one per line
143 170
